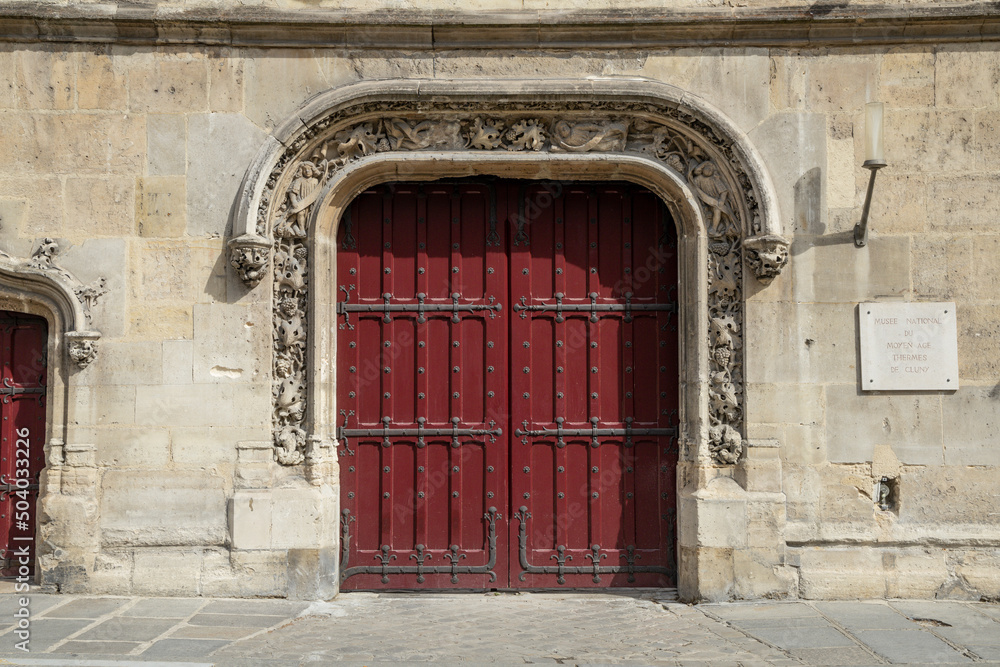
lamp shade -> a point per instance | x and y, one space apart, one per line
874 147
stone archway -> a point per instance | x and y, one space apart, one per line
341 142
67 499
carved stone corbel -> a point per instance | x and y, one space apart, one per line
766 255
40 274
248 256
82 347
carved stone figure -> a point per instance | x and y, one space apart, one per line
290 442
249 263
82 352
404 135
301 195
583 137
725 444
713 192
358 141
766 255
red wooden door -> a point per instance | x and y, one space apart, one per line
507 386
23 341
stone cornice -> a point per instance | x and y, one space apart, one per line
817 26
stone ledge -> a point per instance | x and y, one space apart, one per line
886 23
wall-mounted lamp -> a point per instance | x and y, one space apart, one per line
874 160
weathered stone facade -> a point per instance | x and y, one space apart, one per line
149 153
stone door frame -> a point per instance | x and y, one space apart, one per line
66 539
343 141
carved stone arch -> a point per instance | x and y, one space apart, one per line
41 286
653 134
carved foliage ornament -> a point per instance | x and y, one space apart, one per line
694 150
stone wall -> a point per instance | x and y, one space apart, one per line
131 156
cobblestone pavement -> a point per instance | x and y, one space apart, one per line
564 628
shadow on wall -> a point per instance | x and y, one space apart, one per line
808 215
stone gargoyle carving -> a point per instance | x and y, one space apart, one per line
766 255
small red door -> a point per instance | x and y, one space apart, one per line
507 386
23 340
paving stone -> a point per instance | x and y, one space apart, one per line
747 611
834 656
989 652
87 608
909 646
212 632
964 634
807 622
132 629
255 607
46 632
235 620
789 638
104 647
952 613
164 608
865 615
990 609
183 648
36 604
533 628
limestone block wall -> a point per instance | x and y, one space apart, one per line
935 239
131 158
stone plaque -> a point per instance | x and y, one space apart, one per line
908 346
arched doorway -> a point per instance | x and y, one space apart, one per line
341 143
508 386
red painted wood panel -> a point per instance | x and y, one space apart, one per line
23 341
476 319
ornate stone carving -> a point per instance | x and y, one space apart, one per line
696 151
766 255
725 444
74 300
89 294
583 137
82 351
248 257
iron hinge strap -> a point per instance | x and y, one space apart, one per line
384 557
420 432
593 433
7 489
593 307
420 307
8 390
595 569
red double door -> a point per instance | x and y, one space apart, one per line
507 386
23 340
